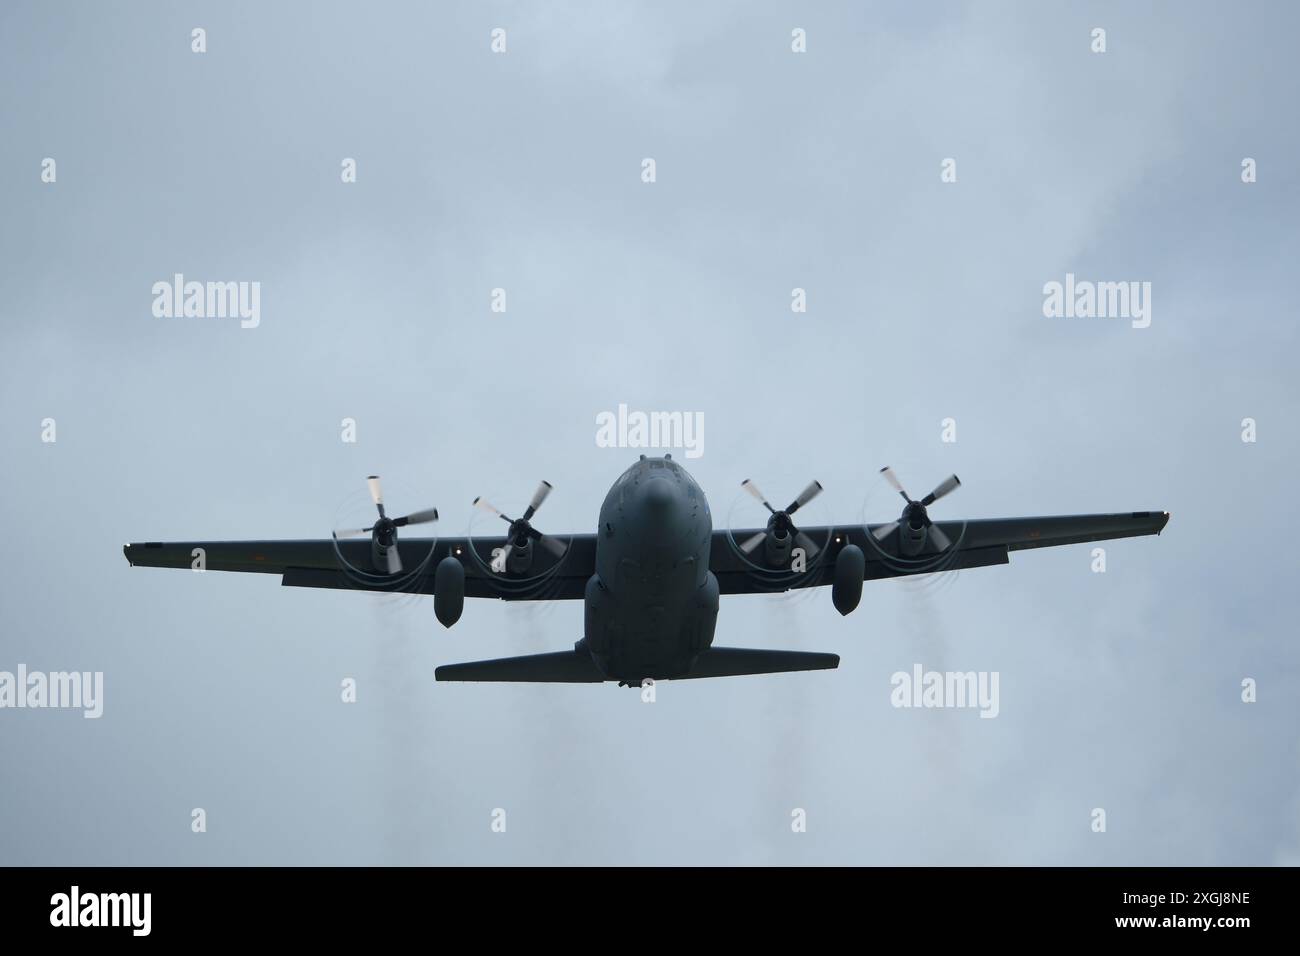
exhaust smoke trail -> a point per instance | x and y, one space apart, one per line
405 773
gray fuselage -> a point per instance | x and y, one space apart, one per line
652 604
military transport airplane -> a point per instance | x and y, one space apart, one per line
651 574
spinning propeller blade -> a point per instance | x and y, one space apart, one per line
521 528
779 523
915 513
384 531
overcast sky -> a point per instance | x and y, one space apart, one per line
775 170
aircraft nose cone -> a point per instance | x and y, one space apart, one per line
658 494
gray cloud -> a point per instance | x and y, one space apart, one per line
819 171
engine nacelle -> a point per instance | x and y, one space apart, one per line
521 556
777 547
449 591
382 540
911 537
850 570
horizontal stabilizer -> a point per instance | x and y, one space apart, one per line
735 661
577 667
561 667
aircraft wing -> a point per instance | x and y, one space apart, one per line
327 563
345 564
975 543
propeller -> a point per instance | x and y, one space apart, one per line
384 530
521 531
780 520
915 513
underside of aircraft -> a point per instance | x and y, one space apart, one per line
652 573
